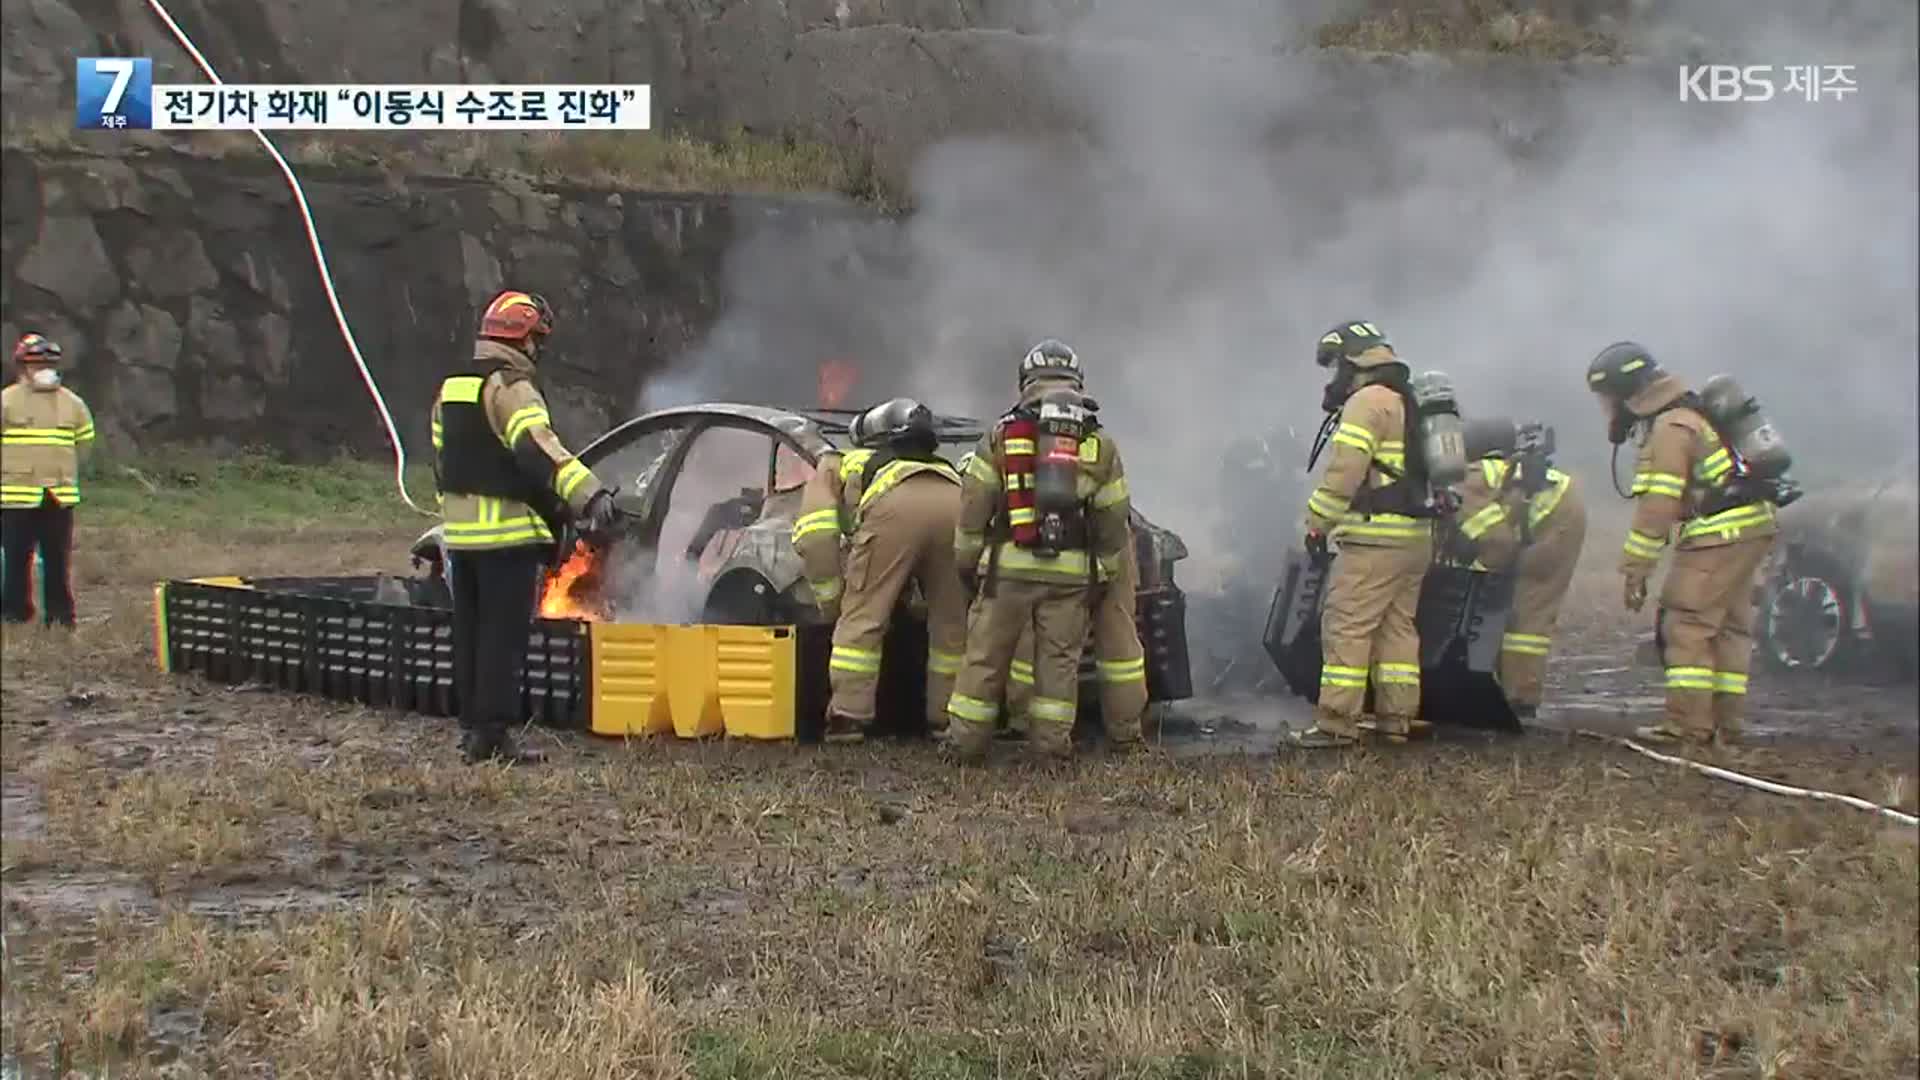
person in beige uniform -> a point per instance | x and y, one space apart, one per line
1368 503
506 485
1119 664
1684 482
1043 529
47 431
894 503
1538 536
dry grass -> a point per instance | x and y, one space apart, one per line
322 891
1471 26
739 163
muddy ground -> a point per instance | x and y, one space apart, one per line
204 880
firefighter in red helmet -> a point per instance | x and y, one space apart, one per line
506 484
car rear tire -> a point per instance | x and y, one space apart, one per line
1805 617
744 599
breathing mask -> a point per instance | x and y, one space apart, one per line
1339 387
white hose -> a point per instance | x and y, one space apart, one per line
1756 782
319 260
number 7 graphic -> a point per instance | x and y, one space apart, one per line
122 72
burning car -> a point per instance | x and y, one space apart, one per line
1842 590
709 493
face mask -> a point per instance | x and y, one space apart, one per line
1339 388
45 378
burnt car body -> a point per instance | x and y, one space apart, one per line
708 495
1841 592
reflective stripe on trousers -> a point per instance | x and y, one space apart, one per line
1526 644
859 661
1706 680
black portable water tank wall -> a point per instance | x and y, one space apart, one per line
1462 617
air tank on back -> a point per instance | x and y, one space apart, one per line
1490 435
1442 440
1748 429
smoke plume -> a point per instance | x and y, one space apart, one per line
1230 196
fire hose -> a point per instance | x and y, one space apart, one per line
1754 781
319 261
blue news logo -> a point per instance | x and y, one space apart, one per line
113 92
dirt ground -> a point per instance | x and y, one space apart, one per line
203 880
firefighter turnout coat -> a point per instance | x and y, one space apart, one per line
1023 591
1705 621
1367 628
1542 561
45 434
504 476
870 524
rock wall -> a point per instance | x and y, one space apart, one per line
885 77
186 296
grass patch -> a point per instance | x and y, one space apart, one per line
1470 26
737 163
226 882
190 488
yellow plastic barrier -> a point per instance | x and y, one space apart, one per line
692 681
161 652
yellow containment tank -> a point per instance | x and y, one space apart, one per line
692 681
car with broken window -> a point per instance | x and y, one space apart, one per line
708 495
1841 592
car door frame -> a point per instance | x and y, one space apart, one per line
653 503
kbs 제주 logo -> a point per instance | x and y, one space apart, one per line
113 92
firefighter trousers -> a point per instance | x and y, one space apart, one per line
48 530
1056 615
1706 636
1119 662
1367 630
904 536
494 596
1542 575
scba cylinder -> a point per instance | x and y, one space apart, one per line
1063 424
1748 429
1443 442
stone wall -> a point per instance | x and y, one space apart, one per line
883 77
186 295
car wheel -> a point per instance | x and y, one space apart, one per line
744 599
1806 623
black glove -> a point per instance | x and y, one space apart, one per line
1316 543
596 521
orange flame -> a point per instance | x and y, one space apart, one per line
560 595
837 378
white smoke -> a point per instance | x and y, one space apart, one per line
1229 200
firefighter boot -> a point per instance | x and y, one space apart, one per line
843 729
497 744
1319 738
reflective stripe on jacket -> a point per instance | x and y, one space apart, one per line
834 504
495 452
1682 463
1368 450
42 437
1102 483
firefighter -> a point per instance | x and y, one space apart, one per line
1687 480
1371 502
506 483
47 431
895 503
1043 532
1533 525
1119 663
